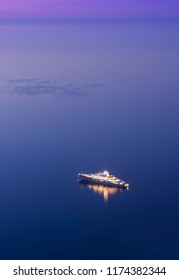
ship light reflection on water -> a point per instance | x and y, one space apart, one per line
106 192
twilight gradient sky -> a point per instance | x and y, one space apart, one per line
90 9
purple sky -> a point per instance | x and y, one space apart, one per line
98 9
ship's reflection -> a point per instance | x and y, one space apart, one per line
104 191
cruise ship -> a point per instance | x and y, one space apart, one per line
102 178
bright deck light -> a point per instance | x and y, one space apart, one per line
105 172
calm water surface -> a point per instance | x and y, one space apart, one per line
86 99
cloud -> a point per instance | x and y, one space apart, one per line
38 87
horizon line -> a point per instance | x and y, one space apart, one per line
68 21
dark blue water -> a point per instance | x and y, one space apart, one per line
87 99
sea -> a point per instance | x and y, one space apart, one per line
87 98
